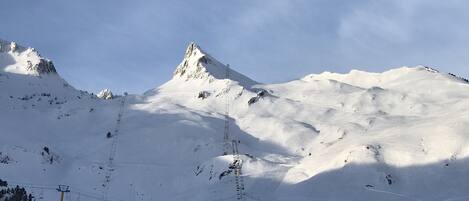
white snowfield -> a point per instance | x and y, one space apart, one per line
397 135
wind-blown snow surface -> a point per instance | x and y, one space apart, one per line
397 135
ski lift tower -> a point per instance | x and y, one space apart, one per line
226 133
63 189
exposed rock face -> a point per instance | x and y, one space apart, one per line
192 64
24 60
44 66
105 94
12 46
260 94
203 94
198 65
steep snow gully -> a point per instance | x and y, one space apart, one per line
212 134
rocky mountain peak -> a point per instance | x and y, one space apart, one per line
21 60
105 94
199 65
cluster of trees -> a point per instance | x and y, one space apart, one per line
13 194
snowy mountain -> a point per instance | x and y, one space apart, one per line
199 65
26 61
211 133
105 94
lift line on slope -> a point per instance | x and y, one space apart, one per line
112 154
226 132
233 144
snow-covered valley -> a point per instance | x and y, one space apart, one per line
211 134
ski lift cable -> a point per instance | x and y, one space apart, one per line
392 193
31 184
457 198
33 187
86 195
49 187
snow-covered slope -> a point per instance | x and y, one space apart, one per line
397 135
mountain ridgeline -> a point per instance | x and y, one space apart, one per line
211 133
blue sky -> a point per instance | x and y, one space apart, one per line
135 45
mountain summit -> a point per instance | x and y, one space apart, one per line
198 65
25 73
20 60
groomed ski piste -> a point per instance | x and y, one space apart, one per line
213 134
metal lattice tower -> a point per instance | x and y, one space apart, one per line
238 164
232 145
226 133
